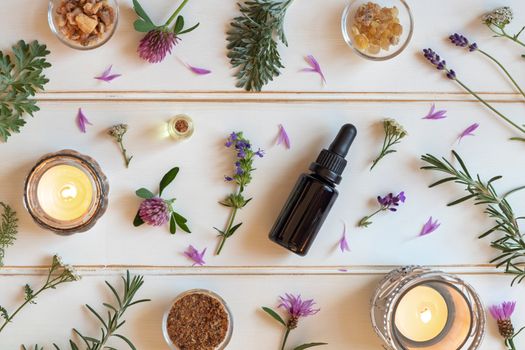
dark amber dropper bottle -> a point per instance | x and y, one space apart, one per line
313 196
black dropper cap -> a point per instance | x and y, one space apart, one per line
331 162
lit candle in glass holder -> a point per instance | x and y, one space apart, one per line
418 309
66 192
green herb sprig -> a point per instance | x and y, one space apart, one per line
252 47
113 322
8 229
511 245
21 76
394 132
144 23
163 207
58 274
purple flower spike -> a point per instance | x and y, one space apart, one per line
154 211
82 121
197 70
343 243
503 311
468 131
156 45
283 137
107 76
458 40
451 74
390 202
297 307
196 256
440 64
429 227
435 115
314 67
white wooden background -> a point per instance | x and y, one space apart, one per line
252 271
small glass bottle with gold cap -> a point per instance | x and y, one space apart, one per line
180 127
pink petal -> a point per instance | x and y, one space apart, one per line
82 121
107 76
429 227
433 115
283 137
315 67
196 256
468 131
197 70
343 243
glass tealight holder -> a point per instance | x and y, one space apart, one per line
181 127
416 308
207 293
66 192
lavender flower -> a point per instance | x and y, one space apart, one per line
296 309
245 156
196 256
154 211
468 131
435 115
462 41
440 64
343 243
429 227
82 121
386 203
159 40
283 137
502 313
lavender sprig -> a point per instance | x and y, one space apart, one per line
440 64
242 177
497 20
386 203
394 132
462 41
58 274
296 309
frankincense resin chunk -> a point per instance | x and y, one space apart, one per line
376 28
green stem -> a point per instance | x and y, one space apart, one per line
514 37
124 152
285 337
177 11
228 228
510 342
504 70
489 106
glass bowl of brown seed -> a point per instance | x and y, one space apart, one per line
83 24
198 319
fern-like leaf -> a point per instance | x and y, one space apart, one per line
8 229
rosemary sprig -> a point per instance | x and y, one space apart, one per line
510 244
20 78
114 321
252 42
8 229
58 273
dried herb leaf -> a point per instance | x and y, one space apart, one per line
8 229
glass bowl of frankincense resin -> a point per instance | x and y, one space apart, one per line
377 30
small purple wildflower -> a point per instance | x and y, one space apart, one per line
502 313
386 203
82 121
196 256
154 211
468 131
315 67
228 178
156 45
435 115
440 64
107 76
429 227
283 138
343 243
297 307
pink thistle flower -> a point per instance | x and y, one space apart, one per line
82 121
502 314
429 227
196 256
154 211
156 45
297 307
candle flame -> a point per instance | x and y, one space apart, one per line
68 192
425 316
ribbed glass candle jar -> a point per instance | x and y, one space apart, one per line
66 192
451 304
